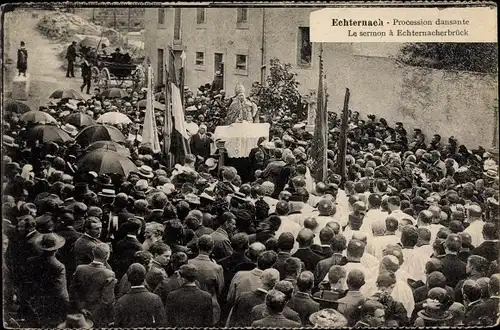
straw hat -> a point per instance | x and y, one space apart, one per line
328 318
107 193
192 199
146 172
70 129
49 242
76 321
211 163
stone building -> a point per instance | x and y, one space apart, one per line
239 43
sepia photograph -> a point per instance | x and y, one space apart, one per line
252 164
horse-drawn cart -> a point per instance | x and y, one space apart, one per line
109 72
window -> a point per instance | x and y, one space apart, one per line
305 47
242 15
161 16
200 16
242 64
200 58
160 66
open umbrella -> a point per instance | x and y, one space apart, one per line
110 146
114 93
16 106
114 117
156 104
37 117
66 94
79 120
95 133
105 162
47 133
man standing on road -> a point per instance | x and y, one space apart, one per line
22 59
86 75
71 57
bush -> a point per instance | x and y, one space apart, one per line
281 95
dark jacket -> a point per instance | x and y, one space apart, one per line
92 288
453 269
139 308
66 254
348 305
240 316
83 249
189 306
394 310
168 285
222 244
324 266
86 70
280 263
308 257
123 254
22 59
275 321
488 249
48 293
71 53
303 304
200 146
260 311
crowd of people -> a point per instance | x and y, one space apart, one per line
409 237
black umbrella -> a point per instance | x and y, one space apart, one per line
105 162
79 120
16 106
66 94
95 133
36 117
109 146
47 133
114 92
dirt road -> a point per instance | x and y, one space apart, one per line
43 64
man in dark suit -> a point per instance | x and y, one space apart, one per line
475 268
325 237
189 306
261 311
210 274
127 247
301 301
84 246
275 304
310 259
139 307
472 296
490 248
92 287
466 250
66 253
200 142
453 267
240 316
86 75
338 244
435 279
21 248
222 244
285 245
349 304
71 57
46 288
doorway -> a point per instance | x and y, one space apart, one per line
219 70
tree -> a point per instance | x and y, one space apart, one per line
476 57
280 95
